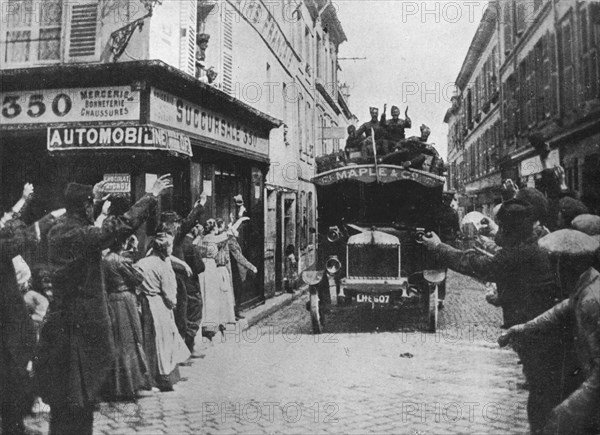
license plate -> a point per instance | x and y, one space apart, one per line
373 299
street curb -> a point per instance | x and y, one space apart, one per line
271 306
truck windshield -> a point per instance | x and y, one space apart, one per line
405 203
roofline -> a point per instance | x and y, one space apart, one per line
482 35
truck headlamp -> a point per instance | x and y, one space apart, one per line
334 234
333 265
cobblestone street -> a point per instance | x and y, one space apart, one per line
278 378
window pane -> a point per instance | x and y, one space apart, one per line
17 46
49 46
19 13
50 13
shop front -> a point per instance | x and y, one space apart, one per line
128 123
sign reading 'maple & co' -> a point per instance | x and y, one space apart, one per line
171 111
114 103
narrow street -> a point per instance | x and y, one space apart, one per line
278 378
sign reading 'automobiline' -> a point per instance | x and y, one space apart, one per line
171 111
116 103
139 137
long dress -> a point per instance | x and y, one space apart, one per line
130 369
163 345
215 285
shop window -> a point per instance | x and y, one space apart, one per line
33 31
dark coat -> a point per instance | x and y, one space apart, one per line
523 276
76 346
580 412
17 330
242 264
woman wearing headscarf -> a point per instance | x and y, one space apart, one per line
215 282
163 345
130 368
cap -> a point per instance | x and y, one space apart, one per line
587 223
515 221
569 242
76 194
571 208
514 213
537 200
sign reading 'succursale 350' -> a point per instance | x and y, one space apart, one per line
174 112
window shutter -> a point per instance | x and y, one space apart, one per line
82 44
227 66
553 84
508 27
521 12
187 51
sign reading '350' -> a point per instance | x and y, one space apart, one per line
118 103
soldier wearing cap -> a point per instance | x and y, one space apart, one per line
526 288
579 413
76 346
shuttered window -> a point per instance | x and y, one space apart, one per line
187 51
589 54
82 35
227 67
508 26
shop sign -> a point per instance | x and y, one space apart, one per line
381 173
137 137
533 165
117 183
175 112
115 103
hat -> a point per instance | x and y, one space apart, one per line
571 208
238 199
569 242
587 223
537 200
515 220
514 213
76 194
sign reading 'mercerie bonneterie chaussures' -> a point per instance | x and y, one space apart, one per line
114 103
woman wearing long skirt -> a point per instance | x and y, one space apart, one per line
215 282
163 345
130 370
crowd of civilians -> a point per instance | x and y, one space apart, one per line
88 316
541 249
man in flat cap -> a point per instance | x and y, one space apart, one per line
76 347
579 413
526 288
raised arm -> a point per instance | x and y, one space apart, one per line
102 238
194 216
236 252
471 262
